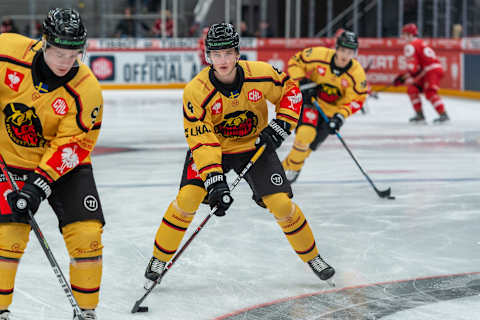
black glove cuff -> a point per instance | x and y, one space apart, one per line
40 183
212 179
282 128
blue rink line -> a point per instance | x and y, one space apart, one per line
312 182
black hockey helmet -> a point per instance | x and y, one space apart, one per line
348 39
64 28
222 36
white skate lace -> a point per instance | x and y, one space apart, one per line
318 264
5 315
157 266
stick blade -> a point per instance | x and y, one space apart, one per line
385 193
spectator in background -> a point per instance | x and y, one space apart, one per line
157 25
264 30
37 33
8 25
244 30
457 31
130 27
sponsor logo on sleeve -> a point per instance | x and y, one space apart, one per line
13 79
67 157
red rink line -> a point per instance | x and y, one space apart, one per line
226 316
106 150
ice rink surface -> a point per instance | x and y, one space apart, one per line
431 230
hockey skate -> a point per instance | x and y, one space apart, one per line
292 175
419 118
443 118
4 315
154 270
87 315
322 269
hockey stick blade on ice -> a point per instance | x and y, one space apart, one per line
46 248
381 193
137 306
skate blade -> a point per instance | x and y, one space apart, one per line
331 282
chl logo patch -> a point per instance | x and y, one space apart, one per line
90 203
60 106
13 79
254 95
276 179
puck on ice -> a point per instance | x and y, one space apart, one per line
142 309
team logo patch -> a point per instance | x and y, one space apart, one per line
321 71
329 93
90 203
276 179
238 124
217 107
254 95
292 100
13 79
67 157
192 171
345 83
60 106
23 125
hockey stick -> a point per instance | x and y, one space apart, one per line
137 307
77 312
380 193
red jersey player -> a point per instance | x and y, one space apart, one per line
423 75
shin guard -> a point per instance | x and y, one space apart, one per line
294 224
13 241
300 150
84 244
176 220
414 95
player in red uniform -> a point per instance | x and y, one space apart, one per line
423 75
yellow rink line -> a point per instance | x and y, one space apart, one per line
448 92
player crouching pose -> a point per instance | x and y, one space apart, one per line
225 113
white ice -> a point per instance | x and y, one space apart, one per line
243 259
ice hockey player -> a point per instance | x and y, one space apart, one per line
424 73
337 81
51 115
225 120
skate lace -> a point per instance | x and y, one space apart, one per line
318 264
89 315
157 265
5 315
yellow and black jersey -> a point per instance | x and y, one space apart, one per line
47 129
339 90
220 120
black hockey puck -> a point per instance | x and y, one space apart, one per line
391 198
142 309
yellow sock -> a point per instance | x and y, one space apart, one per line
300 150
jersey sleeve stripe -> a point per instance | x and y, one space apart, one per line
205 145
210 166
355 84
268 79
43 173
314 61
97 126
208 98
78 103
286 116
15 61
349 111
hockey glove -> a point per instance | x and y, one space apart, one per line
218 193
336 122
35 190
399 80
274 134
309 90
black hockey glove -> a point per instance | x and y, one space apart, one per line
34 191
336 122
218 193
274 134
309 90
